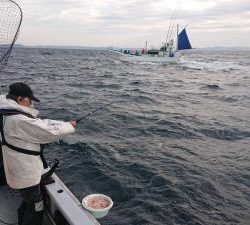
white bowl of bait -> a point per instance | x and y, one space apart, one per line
97 204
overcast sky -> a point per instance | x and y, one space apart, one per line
129 23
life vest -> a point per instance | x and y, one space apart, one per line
10 112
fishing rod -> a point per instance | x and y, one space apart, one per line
92 112
104 106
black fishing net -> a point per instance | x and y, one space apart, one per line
10 22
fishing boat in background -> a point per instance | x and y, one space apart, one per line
169 52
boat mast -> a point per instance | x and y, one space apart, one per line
177 33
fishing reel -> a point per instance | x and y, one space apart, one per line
47 177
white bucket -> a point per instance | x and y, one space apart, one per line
97 213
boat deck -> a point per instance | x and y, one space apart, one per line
9 203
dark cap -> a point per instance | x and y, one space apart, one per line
22 90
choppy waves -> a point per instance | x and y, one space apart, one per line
172 148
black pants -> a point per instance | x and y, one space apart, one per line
31 210
2 173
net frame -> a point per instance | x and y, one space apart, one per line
11 17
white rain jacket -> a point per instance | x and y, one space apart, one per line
24 170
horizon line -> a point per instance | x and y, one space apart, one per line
101 47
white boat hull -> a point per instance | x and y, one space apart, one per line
148 58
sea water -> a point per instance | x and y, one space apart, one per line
171 149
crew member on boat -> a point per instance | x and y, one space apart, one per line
22 135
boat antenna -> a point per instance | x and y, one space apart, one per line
170 24
11 16
173 24
177 34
